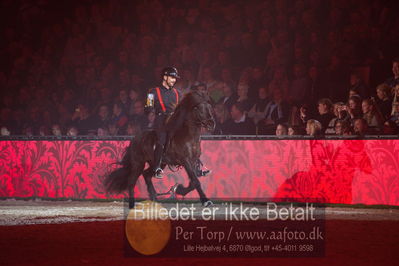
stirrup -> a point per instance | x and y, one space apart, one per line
158 173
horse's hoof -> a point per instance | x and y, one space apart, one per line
207 203
205 172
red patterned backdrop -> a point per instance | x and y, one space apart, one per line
334 171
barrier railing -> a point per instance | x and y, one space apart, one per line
205 137
336 169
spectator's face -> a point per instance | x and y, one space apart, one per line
226 89
366 107
291 131
309 129
4 131
352 93
242 90
337 108
73 132
103 112
359 126
352 104
339 129
83 110
113 130
133 95
396 91
281 131
56 130
381 94
395 69
116 110
131 129
29 132
138 108
102 132
322 108
235 113
123 95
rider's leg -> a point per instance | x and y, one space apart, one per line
158 153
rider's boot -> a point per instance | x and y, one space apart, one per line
161 153
158 152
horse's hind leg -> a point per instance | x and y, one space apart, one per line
150 186
132 183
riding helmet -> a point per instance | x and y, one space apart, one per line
170 71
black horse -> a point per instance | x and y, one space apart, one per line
184 150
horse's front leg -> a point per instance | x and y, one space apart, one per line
191 170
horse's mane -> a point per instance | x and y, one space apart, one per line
189 101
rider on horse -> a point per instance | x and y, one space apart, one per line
164 100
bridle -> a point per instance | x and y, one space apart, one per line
201 122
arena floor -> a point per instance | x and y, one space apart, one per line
86 232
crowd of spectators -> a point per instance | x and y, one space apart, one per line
271 67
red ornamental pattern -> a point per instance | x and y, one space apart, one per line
330 171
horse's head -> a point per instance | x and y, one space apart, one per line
201 110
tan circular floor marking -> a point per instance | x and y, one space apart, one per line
147 230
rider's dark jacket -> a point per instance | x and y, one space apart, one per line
165 102
170 98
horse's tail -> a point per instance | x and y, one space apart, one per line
117 181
